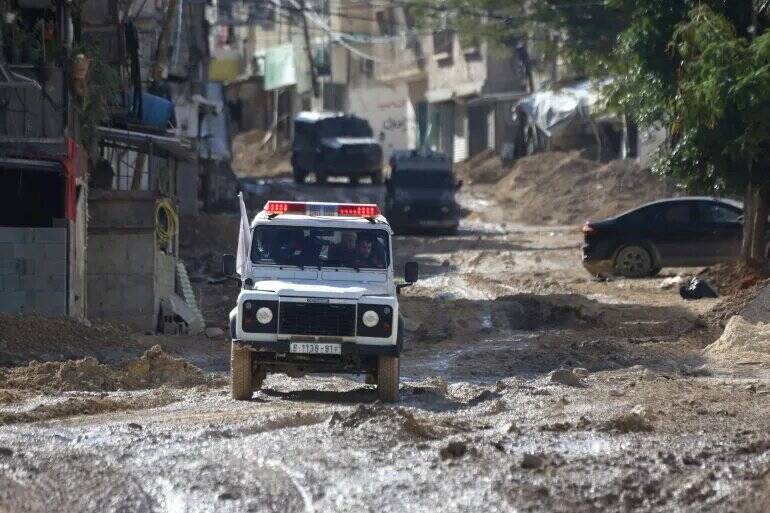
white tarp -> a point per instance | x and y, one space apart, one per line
550 109
244 241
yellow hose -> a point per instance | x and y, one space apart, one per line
172 221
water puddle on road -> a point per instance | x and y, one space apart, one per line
482 361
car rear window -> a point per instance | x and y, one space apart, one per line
424 179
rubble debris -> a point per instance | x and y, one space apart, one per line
214 332
562 188
453 450
565 377
671 282
742 341
630 422
531 461
580 372
154 368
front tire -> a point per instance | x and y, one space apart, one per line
387 378
634 262
241 384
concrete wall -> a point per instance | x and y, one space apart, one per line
33 270
126 272
121 278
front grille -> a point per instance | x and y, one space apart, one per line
317 319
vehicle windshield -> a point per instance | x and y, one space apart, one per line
424 179
345 127
320 247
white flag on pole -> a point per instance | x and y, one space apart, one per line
244 241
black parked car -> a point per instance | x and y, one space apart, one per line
690 231
420 193
334 144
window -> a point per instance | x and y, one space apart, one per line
442 43
717 213
386 22
320 247
678 213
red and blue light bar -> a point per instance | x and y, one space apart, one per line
366 210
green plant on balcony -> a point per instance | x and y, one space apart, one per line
101 87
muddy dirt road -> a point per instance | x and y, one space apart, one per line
637 420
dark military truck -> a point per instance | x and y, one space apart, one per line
420 193
334 144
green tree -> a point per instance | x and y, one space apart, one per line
721 117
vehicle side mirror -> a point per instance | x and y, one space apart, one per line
228 265
411 272
740 219
459 184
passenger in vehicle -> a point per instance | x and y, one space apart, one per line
343 253
368 253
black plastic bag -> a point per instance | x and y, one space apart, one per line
697 289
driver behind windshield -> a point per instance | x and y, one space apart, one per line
368 253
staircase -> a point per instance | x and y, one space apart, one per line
196 323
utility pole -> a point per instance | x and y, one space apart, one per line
313 75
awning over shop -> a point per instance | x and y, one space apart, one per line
158 145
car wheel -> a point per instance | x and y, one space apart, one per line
387 378
240 373
633 262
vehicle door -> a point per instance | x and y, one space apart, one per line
678 236
724 227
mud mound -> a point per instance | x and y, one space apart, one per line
253 157
31 337
402 423
153 369
751 302
563 188
73 406
731 278
742 342
484 167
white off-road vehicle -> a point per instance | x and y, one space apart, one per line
318 296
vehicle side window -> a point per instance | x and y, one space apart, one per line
675 214
723 214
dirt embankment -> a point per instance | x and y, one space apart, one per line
254 156
563 188
154 368
31 337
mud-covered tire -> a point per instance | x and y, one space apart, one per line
634 261
241 382
387 378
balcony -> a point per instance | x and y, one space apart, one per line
33 109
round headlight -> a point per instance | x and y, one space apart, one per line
370 318
264 315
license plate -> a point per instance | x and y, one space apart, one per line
313 348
